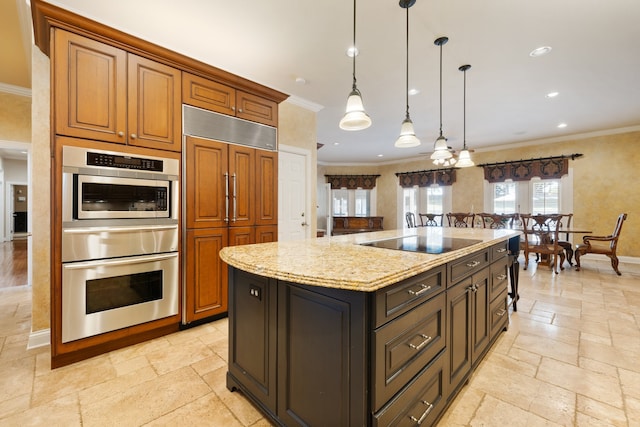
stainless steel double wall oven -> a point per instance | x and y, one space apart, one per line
119 240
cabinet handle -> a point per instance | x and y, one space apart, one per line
424 415
134 136
422 344
501 313
501 277
473 288
234 197
501 250
473 264
226 197
423 288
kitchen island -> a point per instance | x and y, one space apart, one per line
335 331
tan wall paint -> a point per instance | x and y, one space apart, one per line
15 117
297 128
604 184
41 190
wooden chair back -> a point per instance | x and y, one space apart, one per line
587 248
431 220
460 219
496 221
541 237
411 219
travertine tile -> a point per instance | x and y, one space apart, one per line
630 381
555 404
178 356
601 411
200 412
60 412
548 347
17 377
494 412
116 386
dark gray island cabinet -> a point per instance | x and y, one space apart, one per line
322 356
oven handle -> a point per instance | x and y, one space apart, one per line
118 229
119 261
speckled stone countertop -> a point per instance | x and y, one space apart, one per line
342 262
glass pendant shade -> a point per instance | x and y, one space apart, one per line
355 118
441 149
407 138
464 159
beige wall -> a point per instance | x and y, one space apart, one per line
297 128
15 117
604 183
41 191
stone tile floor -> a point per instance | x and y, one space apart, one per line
571 357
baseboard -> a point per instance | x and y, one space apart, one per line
39 338
625 259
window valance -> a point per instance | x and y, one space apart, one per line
426 178
352 182
523 170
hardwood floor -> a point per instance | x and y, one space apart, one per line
13 263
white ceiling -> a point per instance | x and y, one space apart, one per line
594 63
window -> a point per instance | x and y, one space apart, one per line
546 196
357 202
435 200
505 198
424 200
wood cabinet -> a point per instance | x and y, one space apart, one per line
214 96
228 189
310 355
104 93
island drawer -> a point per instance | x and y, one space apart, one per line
498 277
499 250
499 312
421 402
466 266
394 300
403 347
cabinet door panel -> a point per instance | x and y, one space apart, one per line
257 109
266 187
266 233
242 173
90 88
154 104
481 327
206 183
208 94
459 332
241 236
206 274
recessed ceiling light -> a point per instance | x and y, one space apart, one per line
380 155
336 143
301 80
414 91
562 125
352 51
552 94
543 50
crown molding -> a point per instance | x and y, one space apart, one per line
301 102
15 90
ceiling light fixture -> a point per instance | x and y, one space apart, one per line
407 138
562 125
355 118
441 153
543 50
464 158
552 94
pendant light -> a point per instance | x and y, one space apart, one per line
441 149
464 159
355 118
407 138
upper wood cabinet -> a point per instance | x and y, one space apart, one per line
105 93
214 96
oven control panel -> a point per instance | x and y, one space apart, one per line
124 162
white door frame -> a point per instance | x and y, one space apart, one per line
310 217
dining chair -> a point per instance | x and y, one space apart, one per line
565 222
411 219
541 238
495 221
431 220
460 219
586 247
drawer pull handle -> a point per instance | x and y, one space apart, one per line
424 415
501 277
422 344
473 264
423 288
501 250
501 312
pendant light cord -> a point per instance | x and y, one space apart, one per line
354 46
464 110
441 88
406 93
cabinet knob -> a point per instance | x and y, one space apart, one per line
120 133
134 136
239 110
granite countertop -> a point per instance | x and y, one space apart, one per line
342 262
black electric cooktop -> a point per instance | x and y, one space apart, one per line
433 245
